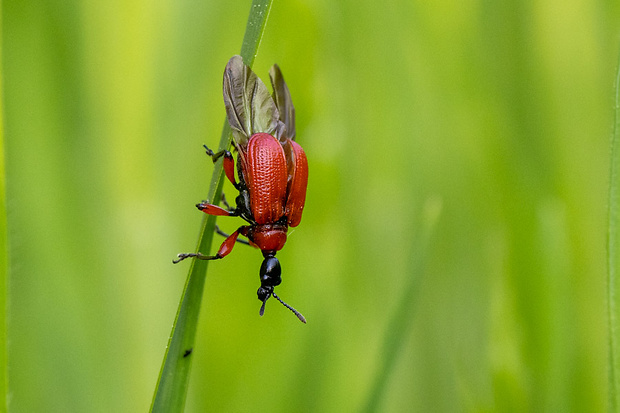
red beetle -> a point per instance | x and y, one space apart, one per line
272 170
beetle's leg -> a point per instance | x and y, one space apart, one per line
198 255
211 209
215 155
229 242
227 206
224 250
222 233
225 203
229 163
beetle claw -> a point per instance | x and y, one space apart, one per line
208 151
180 257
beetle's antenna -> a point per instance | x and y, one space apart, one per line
297 313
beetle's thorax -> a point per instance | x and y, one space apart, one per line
268 237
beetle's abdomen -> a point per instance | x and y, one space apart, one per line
266 178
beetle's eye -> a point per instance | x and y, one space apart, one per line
270 272
263 294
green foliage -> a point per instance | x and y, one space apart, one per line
397 330
500 110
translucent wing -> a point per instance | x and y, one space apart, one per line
249 106
282 96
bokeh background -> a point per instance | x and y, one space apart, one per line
493 116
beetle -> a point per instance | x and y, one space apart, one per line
272 169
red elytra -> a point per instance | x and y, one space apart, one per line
265 171
272 169
274 184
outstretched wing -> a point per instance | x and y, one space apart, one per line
282 96
249 106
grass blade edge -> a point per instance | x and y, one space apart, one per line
613 257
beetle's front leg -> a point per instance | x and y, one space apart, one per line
198 255
229 163
222 233
224 250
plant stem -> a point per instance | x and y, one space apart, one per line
171 390
4 268
613 262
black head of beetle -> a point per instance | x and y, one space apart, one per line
270 277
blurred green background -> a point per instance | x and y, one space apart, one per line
499 111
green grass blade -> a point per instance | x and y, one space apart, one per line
613 259
4 267
4 270
173 380
398 329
